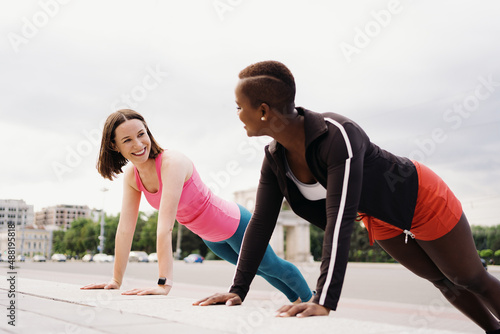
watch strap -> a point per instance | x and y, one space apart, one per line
165 281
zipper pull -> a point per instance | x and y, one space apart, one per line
408 233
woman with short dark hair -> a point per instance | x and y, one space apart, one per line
331 174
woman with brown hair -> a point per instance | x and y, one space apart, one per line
172 185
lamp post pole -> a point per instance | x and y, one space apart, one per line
101 236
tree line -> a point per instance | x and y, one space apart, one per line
486 239
82 238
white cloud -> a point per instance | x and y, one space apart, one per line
67 77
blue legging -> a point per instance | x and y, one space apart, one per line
281 274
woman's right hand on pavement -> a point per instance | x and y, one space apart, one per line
108 286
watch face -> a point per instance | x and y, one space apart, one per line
162 281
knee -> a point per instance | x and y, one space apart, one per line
447 288
277 268
264 269
474 282
269 265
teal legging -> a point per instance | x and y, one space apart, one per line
281 274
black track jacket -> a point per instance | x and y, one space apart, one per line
358 176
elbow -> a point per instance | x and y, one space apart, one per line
165 231
170 228
124 232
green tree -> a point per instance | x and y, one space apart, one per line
316 236
486 237
486 254
190 242
361 251
110 227
496 256
141 222
360 244
493 237
147 240
145 236
480 237
58 242
81 237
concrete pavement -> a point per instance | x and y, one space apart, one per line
43 306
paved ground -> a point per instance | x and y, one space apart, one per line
50 306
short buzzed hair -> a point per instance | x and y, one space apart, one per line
269 82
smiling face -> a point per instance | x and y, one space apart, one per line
132 141
249 115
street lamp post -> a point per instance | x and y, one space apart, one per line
101 236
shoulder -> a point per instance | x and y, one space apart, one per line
339 124
175 160
173 157
344 137
327 125
337 119
129 176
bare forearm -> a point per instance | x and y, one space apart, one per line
165 254
123 243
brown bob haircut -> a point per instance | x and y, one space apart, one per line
110 162
269 82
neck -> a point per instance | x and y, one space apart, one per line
146 166
291 134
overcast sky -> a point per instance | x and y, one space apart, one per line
421 77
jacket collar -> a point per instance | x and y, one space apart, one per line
314 126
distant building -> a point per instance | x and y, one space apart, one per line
60 217
15 211
290 230
246 198
29 241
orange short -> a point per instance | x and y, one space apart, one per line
436 213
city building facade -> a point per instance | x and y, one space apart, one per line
15 211
28 241
60 217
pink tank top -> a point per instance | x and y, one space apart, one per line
211 217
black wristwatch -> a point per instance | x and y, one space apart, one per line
165 281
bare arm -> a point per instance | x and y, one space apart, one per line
124 233
175 170
126 226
